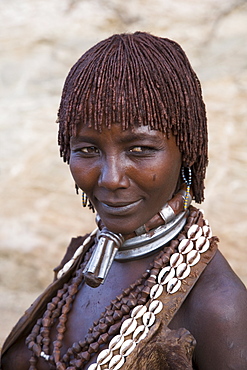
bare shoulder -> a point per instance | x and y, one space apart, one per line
218 319
15 357
219 288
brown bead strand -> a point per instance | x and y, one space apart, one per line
49 316
53 311
32 345
33 335
47 322
61 327
33 362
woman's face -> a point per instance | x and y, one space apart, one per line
128 175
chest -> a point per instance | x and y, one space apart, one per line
84 326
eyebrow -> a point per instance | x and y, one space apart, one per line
136 136
127 137
79 139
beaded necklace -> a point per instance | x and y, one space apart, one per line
167 268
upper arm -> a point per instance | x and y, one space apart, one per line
221 344
16 357
220 324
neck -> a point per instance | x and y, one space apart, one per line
147 239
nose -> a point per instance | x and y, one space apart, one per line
113 174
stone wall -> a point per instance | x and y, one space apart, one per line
40 40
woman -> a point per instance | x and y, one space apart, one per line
148 288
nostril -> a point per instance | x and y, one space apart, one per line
113 182
113 176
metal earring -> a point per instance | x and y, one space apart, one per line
186 176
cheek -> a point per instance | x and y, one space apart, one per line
83 175
74 169
166 175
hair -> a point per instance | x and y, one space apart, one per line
138 79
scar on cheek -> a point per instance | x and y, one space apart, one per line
154 177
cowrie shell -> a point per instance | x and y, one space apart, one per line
156 291
127 347
128 326
194 232
166 274
207 232
202 244
183 271
173 285
185 246
116 362
94 367
202 211
193 257
104 356
148 319
116 342
155 307
140 333
138 311
176 259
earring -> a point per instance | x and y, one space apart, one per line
86 202
84 199
187 179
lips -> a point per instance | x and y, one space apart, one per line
119 208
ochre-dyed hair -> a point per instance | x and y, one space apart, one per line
138 79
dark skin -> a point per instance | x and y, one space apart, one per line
128 175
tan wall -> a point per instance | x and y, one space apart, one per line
40 40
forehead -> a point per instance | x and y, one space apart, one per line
115 134
118 130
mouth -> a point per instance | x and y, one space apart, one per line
119 208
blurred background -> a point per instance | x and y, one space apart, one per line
40 41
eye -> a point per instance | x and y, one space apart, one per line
138 149
89 150
86 151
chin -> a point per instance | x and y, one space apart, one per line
120 228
